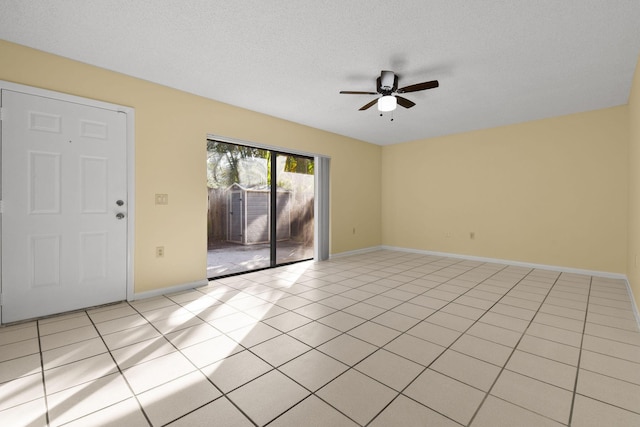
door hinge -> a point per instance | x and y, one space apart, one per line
1 206
1 114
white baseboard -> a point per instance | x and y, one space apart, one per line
604 274
356 252
169 290
635 307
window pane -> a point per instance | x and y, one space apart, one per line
294 208
238 223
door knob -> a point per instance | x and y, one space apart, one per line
119 215
120 202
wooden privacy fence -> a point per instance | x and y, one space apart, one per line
217 216
301 216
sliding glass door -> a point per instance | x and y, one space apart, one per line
294 208
261 205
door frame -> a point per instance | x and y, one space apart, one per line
130 172
322 184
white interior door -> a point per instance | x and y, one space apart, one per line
64 194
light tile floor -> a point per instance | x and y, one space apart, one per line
378 339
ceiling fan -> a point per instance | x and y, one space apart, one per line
387 86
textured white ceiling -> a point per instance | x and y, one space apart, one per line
498 61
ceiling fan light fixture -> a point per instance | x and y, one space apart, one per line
387 86
387 103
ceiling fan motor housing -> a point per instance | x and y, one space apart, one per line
387 81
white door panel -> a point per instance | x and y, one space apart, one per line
63 171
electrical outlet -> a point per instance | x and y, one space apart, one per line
162 199
159 251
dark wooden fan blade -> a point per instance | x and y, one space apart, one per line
354 92
405 102
419 86
366 106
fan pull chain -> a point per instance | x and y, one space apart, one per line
381 115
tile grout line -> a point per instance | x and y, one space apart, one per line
277 367
349 367
119 371
44 384
452 343
539 307
342 309
352 367
504 367
365 320
595 323
584 328
222 393
368 320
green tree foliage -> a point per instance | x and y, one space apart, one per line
298 164
224 163
224 160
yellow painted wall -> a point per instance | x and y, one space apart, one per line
551 192
562 191
633 261
170 138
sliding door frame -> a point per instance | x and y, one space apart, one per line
321 209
